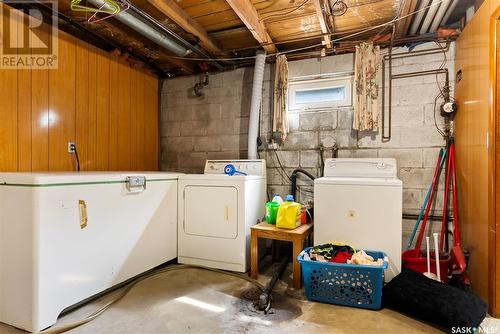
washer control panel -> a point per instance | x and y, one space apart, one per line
249 167
361 167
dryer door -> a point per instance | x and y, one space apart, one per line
211 211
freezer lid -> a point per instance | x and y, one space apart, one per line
387 182
71 178
361 168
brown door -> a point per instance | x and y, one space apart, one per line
494 241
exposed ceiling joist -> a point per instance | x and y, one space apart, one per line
248 14
224 27
179 16
322 23
403 25
183 67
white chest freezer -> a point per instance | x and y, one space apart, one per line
360 202
65 237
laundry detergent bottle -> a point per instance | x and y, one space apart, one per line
271 212
272 209
289 214
277 199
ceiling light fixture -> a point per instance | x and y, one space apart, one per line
338 7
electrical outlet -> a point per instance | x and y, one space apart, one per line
273 146
71 147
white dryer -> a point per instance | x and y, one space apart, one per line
216 211
360 202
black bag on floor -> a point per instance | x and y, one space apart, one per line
426 299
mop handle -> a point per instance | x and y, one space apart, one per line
419 219
436 250
428 255
445 201
442 155
428 208
456 231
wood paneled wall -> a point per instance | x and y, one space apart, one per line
475 150
107 108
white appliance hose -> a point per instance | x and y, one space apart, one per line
253 124
66 327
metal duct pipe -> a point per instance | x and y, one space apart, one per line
146 30
449 11
253 123
431 13
439 16
418 18
176 38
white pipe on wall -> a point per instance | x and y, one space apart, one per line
418 18
469 13
253 124
431 13
450 10
439 16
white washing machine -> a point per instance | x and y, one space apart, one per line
216 211
360 202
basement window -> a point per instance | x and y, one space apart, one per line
320 94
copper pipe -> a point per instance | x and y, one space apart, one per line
389 57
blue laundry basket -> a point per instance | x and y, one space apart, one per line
344 284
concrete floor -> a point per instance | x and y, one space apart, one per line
170 303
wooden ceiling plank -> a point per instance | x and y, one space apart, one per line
248 14
203 9
291 17
277 7
220 21
179 16
182 65
323 24
402 26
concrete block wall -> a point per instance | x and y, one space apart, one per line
215 126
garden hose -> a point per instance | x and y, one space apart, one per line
126 290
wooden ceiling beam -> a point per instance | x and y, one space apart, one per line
179 16
250 17
402 26
323 24
183 67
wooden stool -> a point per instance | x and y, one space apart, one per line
268 231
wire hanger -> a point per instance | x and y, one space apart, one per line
114 7
123 4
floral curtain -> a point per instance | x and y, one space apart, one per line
366 83
280 118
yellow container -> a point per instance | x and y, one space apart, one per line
289 215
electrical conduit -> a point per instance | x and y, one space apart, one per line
253 125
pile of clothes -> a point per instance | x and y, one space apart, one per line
360 257
341 253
